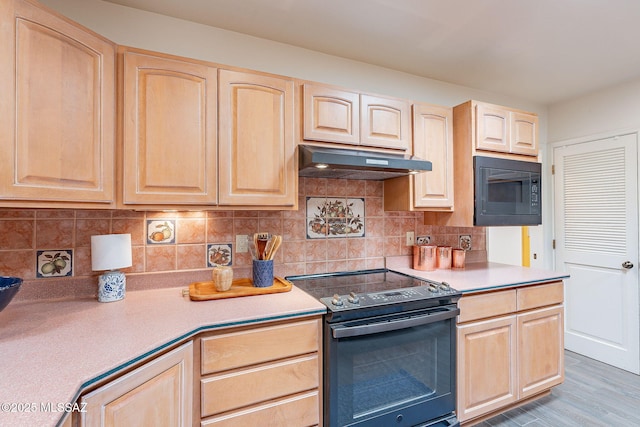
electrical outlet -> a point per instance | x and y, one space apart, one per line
464 242
423 240
241 243
410 238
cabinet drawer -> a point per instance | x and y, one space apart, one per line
491 304
256 385
540 296
234 350
300 410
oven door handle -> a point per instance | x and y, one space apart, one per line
342 331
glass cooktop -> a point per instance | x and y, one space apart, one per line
359 282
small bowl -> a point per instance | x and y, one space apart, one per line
9 287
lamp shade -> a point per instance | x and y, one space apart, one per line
110 252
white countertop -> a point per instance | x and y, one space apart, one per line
51 350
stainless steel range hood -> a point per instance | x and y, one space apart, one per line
323 162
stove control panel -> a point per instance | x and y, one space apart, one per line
353 300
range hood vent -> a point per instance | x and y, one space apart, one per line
323 162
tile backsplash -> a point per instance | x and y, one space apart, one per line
355 234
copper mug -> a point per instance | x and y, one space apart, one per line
443 257
457 258
424 257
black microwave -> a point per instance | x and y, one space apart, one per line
506 192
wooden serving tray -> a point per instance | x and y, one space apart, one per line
202 291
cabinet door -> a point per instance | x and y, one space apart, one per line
524 134
156 394
331 115
57 123
256 140
169 131
540 350
486 366
492 128
385 122
433 141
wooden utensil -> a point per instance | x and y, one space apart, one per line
252 247
255 245
269 247
276 241
261 240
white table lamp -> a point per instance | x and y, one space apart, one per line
110 252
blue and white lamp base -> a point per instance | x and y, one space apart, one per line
111 286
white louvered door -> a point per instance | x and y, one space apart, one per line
596 219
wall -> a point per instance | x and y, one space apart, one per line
24 232
608 110
502 248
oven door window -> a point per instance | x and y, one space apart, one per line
406 373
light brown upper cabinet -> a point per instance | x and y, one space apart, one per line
57 110
481 129
433 141
169 130
505 130
332 114
181 148
257 163
385 123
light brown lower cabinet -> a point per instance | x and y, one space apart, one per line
267 376
158 393
487 366
510 348
540 350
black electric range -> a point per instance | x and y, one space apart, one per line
366 293
389 348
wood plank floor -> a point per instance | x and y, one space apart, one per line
593 394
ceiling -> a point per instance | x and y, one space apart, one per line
543 51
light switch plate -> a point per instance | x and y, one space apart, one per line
241 243
411 236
